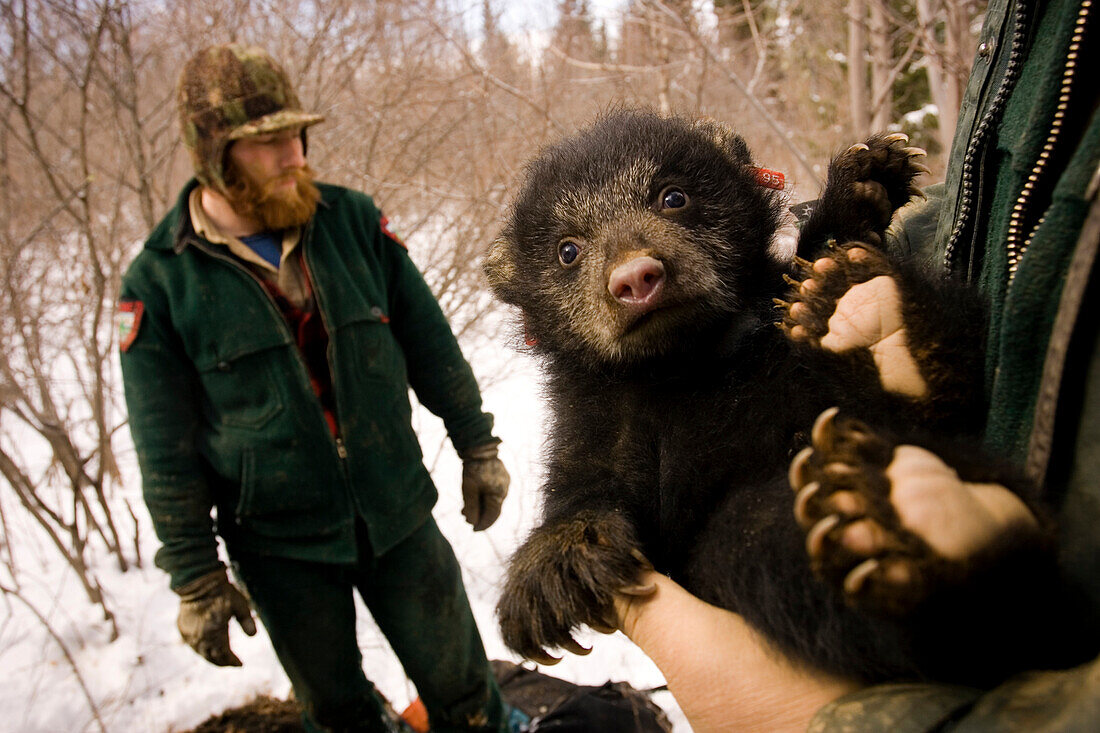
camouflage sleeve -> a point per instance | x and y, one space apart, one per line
1039 702
161 398
438 373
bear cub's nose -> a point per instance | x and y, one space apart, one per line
637 283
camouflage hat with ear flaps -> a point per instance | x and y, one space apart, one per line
229 92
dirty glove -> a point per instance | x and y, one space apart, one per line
206 605
484 485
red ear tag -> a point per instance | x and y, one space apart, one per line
770 179
128 321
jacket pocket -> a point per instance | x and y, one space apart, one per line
286 500
241 390
376 410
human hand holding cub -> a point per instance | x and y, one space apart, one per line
723 674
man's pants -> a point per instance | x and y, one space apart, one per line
415 594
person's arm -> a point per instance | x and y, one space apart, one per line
438 373
721 672
444 383
162 391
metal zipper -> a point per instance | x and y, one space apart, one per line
313 285
978 139
1018 240
341 448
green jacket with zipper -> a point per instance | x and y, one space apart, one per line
1027 149
223 414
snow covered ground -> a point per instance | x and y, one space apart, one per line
148 681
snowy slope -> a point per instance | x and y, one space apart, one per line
148 680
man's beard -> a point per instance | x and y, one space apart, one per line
269 203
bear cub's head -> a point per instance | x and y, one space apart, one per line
635 237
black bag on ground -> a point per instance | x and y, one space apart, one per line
557 706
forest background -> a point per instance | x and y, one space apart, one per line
432 107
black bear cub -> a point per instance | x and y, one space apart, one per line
694 371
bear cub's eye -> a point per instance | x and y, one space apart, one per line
673 198
568 252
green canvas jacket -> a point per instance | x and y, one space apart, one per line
223 415
1008 118
1043 360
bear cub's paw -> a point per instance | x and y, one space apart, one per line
566 575
873 178
890 524
849 299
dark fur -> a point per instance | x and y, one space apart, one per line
673 431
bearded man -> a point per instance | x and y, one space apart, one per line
270 330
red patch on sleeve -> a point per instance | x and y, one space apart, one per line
128 321
385 225
770 179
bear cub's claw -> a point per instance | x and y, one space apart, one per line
874 178
819 286
892 525
565 576
854 536
849 299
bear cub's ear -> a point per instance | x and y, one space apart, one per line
729 142
501 269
